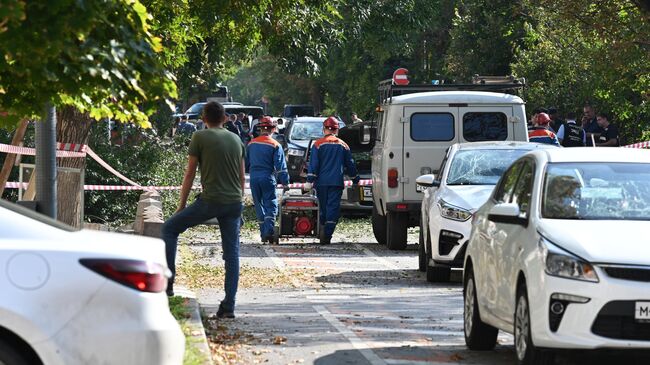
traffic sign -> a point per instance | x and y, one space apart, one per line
401 77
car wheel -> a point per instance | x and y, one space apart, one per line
422 253
479 336
396 230
527 353
9 356
378 226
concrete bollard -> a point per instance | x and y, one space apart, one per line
149 215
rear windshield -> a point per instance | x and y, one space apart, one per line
427 127
17 209
485 126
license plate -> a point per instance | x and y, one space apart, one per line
419 188
367 192
642 312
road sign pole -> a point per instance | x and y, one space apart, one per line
46 162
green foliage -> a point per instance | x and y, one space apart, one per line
578 52
145 159
484 37
98 56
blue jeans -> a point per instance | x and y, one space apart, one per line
266 203
329 203
229 218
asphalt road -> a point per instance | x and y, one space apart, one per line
353 303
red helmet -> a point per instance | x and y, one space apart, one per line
267 122
331 123
543 119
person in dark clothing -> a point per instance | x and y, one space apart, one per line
556 121
570 134
230 125
590 125
609 136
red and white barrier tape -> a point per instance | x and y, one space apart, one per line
7 148
16 185
645 144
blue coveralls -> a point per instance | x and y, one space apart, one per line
265 159
330 157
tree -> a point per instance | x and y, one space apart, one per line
589 51
97 56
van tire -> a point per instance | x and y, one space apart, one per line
396 230
378 226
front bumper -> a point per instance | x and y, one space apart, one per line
448 239
122 326
603 322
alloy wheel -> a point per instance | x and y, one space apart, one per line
522 325
469 305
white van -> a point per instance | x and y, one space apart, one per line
414 133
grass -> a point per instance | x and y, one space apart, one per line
178 306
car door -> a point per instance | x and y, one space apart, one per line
486 123
427 133
514 238
492 239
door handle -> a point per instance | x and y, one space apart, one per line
408 154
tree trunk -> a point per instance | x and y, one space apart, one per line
73 127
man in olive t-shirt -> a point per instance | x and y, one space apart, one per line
219 154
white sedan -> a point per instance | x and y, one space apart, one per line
467 176
82 297
560 255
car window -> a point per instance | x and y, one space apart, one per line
592 191
507 184
306 131
485 127
426 127
195 109
523 191
481 166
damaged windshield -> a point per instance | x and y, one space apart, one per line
481 166
597 191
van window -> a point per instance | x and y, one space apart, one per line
432 127
485 127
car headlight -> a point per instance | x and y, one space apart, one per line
562 264
295 152
453 212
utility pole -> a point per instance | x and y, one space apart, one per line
46 163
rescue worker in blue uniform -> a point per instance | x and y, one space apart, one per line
329 159
265 160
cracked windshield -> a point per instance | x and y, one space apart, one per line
597 191
480 167
306 131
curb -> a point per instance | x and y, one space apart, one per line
197 337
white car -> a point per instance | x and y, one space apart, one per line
467 176
82 297
560 255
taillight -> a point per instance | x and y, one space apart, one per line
140 275
392 178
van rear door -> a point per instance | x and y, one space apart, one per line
428 132
486 123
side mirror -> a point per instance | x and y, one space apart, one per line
507 213
427 181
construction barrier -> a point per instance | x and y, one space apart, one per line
645 144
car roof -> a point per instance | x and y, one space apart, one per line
491 145
598 154
311 119
446 97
